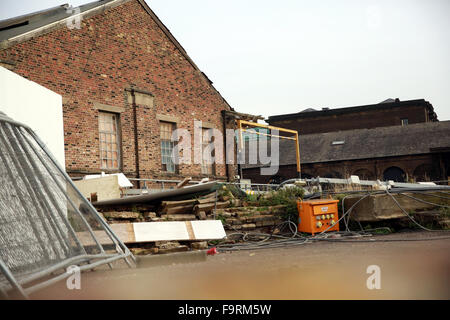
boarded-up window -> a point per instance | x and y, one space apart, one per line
166 129
207 165
109 140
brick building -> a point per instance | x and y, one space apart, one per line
392 140
417 152
387 113
126 84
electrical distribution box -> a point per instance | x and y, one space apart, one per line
316 216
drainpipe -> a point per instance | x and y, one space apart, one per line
224 125
136 143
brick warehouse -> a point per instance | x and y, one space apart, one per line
416 152
126 84
390 112
392 140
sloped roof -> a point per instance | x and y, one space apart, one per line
13 28
388 100
22 28
308 110
421 138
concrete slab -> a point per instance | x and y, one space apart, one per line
382 207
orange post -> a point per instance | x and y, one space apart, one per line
258 125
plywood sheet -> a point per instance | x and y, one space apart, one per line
159 231
208 229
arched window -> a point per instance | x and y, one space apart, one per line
364 174
276 180
425 172
306 175
333 174
394 173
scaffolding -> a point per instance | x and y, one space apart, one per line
46 225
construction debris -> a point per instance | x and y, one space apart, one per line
161 228
184 182
103 187
380 207
187 192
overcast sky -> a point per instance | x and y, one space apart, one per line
275 57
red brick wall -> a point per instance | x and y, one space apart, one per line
343 169
111 52
356 120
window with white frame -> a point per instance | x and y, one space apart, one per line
207 165
167 145
109 140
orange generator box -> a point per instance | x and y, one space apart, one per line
318 215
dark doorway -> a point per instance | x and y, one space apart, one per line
276 180
394 173
426 172
333 174
306 176
364 174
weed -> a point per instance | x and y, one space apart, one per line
221 218
287 197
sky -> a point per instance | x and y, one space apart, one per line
275 57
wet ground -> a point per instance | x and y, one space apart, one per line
320 270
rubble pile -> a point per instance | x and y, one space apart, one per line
250 218
236 215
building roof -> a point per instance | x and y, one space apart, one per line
420 138
387 104
17 27
25 27
388 100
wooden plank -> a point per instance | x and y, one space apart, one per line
190 230
184 182
207 207
178 210
125 232
179 217
141 232
206 200
209 195
170 204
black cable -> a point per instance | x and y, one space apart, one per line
295 239
423 201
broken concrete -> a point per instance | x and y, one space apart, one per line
101 188
127 215
201 245
382 207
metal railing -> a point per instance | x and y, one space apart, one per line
45 222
